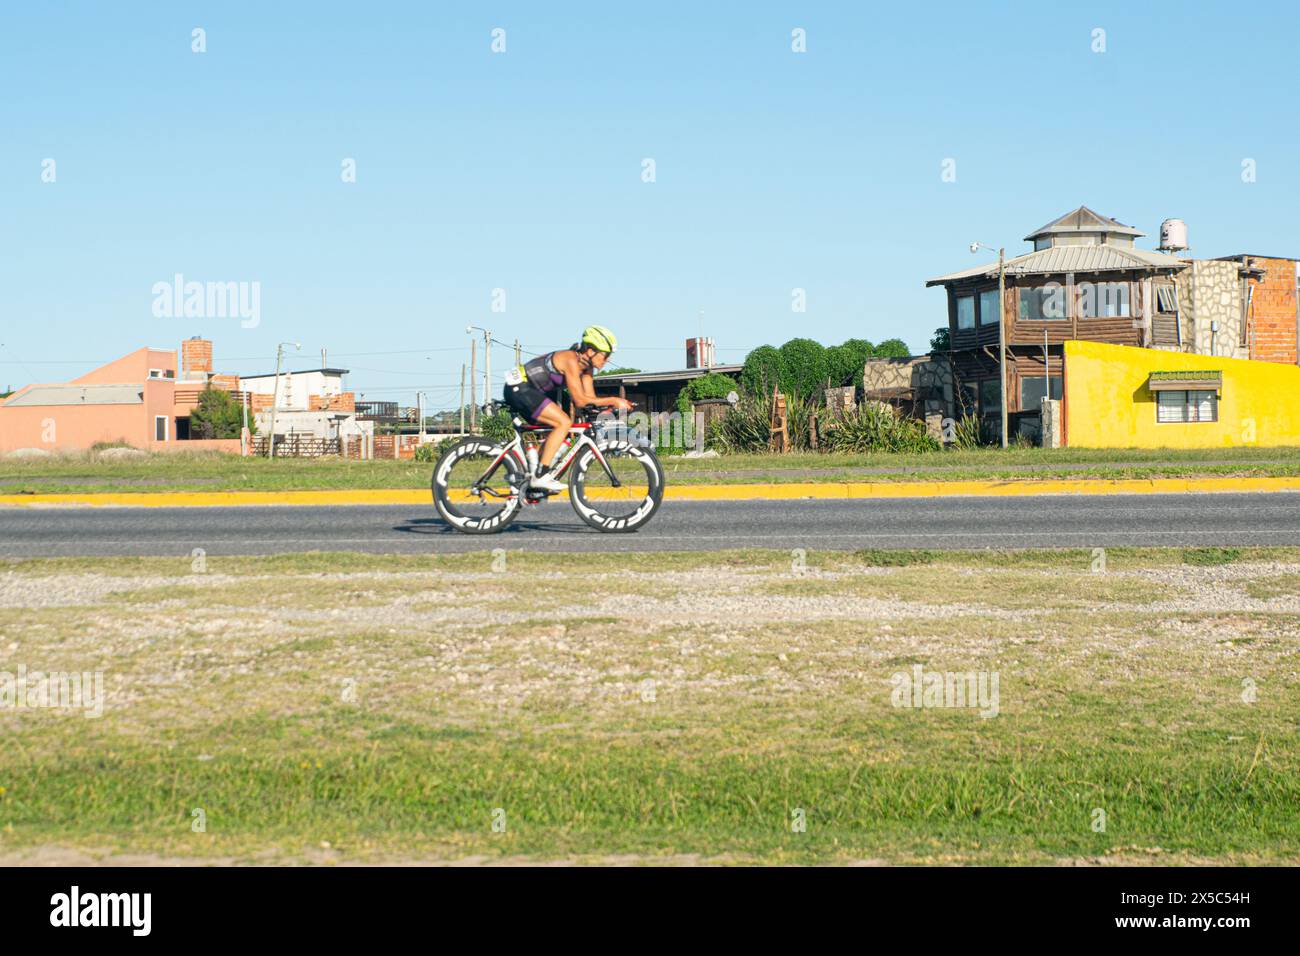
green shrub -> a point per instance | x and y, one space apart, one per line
876 427
762 371
804 368
968 432
893 348
744 428
844 363
218 415
429 452
712 385
497 426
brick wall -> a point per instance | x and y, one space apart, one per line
1273 312
343 402
196 355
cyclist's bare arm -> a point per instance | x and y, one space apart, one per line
581 387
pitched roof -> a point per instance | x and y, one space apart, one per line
1083 219
1062 259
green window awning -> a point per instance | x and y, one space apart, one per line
1200 379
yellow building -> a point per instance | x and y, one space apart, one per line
1117 396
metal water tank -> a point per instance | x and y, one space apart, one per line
1173 235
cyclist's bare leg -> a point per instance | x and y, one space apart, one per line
553 416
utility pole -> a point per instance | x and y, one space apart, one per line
462 398
487 360
473 385
419 411
1047 368
275 390
243 441
275 399
519 360
1002 332
1002 337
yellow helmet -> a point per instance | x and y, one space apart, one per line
599 338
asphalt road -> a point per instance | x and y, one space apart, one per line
1014 522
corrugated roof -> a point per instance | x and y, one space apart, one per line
633 378
78 395
1083 219
1062 259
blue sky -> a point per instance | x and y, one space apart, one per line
523 170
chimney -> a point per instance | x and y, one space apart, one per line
196 358
699 352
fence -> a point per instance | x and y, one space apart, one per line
297 446
382 446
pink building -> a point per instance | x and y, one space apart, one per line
136 399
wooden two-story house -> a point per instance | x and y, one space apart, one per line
1084 279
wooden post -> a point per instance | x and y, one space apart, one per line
778 434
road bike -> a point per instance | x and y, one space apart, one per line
616 482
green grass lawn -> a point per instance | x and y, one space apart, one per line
215 472
729 706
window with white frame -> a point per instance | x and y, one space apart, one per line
1193 405
160 428
1166 300
965 311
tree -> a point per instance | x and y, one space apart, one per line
893 348
616 370
804 368
941 340
762 371
218 415
712 385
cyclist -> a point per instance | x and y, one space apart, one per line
533 389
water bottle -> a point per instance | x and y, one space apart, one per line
531 455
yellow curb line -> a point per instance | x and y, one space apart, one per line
878 489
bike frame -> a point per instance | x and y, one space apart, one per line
515 449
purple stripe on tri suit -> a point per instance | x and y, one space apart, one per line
541 408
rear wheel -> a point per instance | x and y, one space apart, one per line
467 496
624 506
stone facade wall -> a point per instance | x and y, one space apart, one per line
927 380
1210 291
1051 418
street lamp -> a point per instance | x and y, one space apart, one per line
275 389
975 247
487 360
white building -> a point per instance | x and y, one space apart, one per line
296 388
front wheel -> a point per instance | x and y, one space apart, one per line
624 505
476 486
